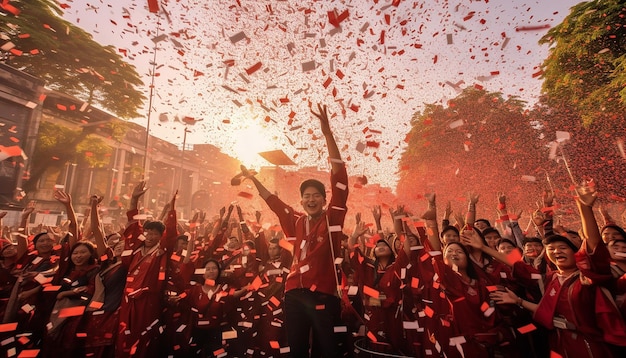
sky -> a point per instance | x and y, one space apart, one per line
245 72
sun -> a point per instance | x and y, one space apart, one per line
249 142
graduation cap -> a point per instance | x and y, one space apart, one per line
277 157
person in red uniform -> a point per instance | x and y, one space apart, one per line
582 320
76 279
146 262
312 303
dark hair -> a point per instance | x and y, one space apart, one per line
38 236
378 276
448 228
185 238
616 228
531 239
471 270
490 230
154 225
219 267
558 238
318 185
90 246
483 220
503 240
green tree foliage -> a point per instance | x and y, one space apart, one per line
57 145
69 60
480 142
585 93
587 63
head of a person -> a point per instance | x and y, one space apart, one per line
212 271
506 246
181 242
561 251
412 240
247 248
7 249
313 197
532 247
482 224
152 231
612 232
83 253
456 256
115 242
450 234
383 250
617 248
43 243
492 236
233 243
273 249
574 237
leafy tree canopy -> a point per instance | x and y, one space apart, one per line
480 142
587 63
69 60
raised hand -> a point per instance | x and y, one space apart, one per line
139 190
473 198
587 193
547 198
323 117
471 238
447 211
360 229
357 218
376 212
431 199
62 197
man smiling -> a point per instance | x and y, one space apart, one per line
311 300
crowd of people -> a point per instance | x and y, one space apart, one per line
226 287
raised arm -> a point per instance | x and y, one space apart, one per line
470 217
65 199
98 235
359 230
377 214
168 240
333 150
430 217
30 208
445 222
139 190
263 192
586 197
471 238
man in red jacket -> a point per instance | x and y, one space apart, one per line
311 300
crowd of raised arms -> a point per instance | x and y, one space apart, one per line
222 286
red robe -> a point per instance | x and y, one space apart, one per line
209 317
313 267
384 317
581 306
141 305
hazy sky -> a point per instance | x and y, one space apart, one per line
248 69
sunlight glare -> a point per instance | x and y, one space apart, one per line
249 142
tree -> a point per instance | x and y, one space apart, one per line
480 142
57 145
585 92
587 64
69 60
